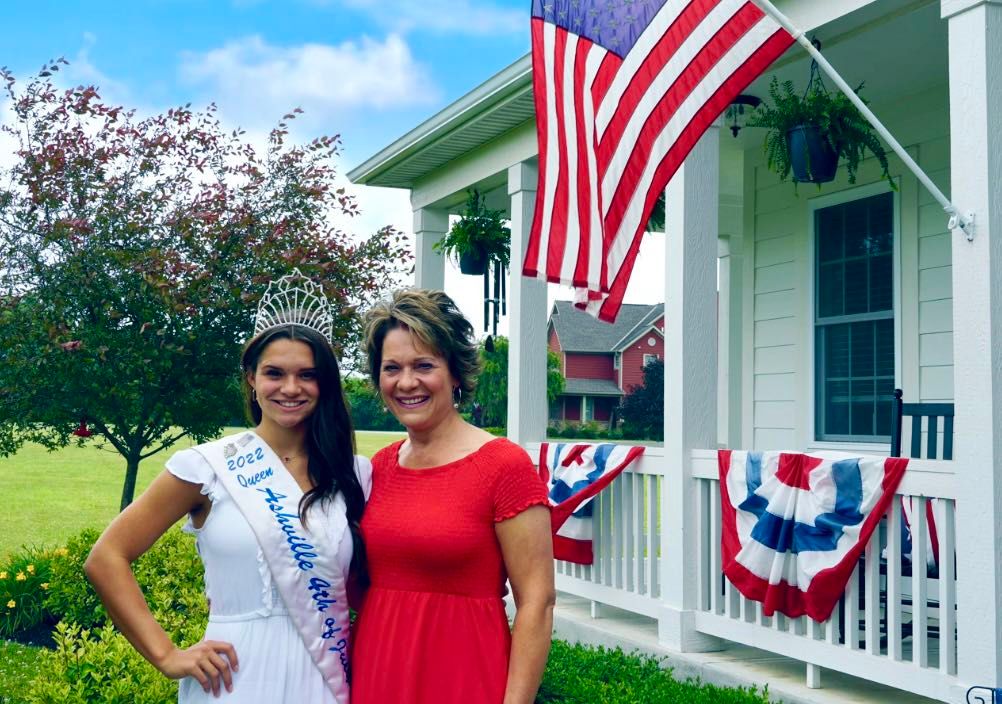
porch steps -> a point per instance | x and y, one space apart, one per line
735 666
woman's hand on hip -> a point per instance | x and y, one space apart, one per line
211 662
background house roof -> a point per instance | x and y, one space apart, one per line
643 326
591 387
579 332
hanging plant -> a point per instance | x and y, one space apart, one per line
810 133
478 239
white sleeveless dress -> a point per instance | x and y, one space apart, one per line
245 608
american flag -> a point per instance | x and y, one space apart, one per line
623 90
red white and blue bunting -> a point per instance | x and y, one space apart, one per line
574 474
794 525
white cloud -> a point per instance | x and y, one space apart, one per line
254 82
453 17
82 71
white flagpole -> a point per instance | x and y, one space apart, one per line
965 221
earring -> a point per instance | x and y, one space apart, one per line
254 394
457 396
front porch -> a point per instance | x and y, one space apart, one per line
737 237
620 599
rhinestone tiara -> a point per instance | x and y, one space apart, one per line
295 300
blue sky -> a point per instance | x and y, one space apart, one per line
369 70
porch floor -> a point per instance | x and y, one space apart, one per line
737 665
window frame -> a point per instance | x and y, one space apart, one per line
813 362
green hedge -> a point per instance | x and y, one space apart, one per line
577 674
91 661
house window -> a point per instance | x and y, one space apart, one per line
589 409
854 319
648 358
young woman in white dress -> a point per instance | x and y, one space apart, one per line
260 644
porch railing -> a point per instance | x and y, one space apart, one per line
890 628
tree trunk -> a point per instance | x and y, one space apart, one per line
129 488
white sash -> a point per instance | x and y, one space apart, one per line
303 564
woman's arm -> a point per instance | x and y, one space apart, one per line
528 556
109 568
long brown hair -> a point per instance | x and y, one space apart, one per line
330 438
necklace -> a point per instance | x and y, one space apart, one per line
291 457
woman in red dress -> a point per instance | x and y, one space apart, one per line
454 513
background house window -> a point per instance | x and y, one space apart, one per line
589 409
854 319
649 358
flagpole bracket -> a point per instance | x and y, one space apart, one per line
965 222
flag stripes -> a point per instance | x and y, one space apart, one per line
613 129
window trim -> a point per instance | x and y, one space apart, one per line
810 302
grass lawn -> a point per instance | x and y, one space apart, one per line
18 666
57 494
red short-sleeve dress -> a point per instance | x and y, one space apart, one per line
433 628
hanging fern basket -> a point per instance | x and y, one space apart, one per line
812 157
473 262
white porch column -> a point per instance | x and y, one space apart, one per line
430 225
729 341
975 33
690 419
527 410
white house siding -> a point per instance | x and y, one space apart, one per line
779 280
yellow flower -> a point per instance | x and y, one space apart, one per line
20 577
31 569
11 604
3 575
62 552
44 585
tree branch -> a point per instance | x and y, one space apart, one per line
165 444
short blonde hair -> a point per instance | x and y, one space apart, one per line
435 321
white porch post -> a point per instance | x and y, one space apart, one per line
975 34
690 419
430 225
527 410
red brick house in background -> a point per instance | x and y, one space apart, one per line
601 363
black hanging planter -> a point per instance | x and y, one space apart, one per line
812 157
473 262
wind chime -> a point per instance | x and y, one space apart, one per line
494 306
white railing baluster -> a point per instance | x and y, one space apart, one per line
628 535
947 588
850 604
616 528
893 598
703 532
715 568
653 535
871 594
920 630
637 531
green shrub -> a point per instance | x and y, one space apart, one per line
498 431
97 666
94 663
170 575
25 578
70 596
577 674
